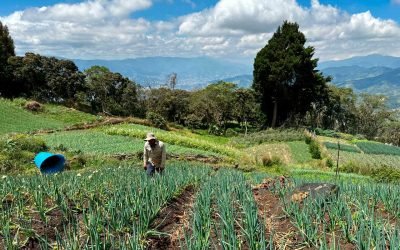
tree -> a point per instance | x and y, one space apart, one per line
7 50
46 78
372 114
172 104
246 108
285 78
213 104
110 92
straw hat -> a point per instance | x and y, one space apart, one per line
150 136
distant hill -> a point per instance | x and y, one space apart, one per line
243 81
154 71
376 74
369 61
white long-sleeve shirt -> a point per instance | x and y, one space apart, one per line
156 155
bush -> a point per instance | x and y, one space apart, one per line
269 161
77 162
315 150
157 120
230 132
215 130
386 174
308 139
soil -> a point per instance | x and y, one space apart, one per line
277 224
172 221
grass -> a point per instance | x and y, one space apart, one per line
280 150
14 118
96 142
300 152
185 139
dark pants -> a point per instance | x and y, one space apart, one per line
151 169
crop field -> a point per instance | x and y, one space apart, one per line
191 207
99 143
343 147
371 160
378 148
14 118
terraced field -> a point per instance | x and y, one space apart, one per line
192 207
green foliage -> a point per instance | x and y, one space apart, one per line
315 150
172 104
7 50
110 93
157 120
343 147
283 69
327 132
269 161
378 148
269 135
17 152
386 174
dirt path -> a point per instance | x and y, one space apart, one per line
277 224
172 221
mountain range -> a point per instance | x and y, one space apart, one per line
375 74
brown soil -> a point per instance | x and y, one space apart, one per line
277 223
172 221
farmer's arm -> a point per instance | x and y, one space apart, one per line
145 157
163 156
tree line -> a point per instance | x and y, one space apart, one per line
287 91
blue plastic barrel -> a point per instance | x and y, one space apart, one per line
49 163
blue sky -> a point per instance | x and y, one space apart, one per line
166 9
116 29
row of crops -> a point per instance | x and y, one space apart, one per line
371 160
113 208
366 147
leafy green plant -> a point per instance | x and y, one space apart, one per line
157 120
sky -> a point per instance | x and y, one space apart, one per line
234 29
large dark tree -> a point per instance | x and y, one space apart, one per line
6 51
110 92
46 78
285 77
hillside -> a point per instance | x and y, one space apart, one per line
154 71
15 118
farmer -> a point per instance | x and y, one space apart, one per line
154 155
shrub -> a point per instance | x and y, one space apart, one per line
157 120
269 161
308 139
77 162
386 174
230 132
315 150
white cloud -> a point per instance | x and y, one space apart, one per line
396 1
231 28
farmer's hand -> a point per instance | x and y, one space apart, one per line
145 167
